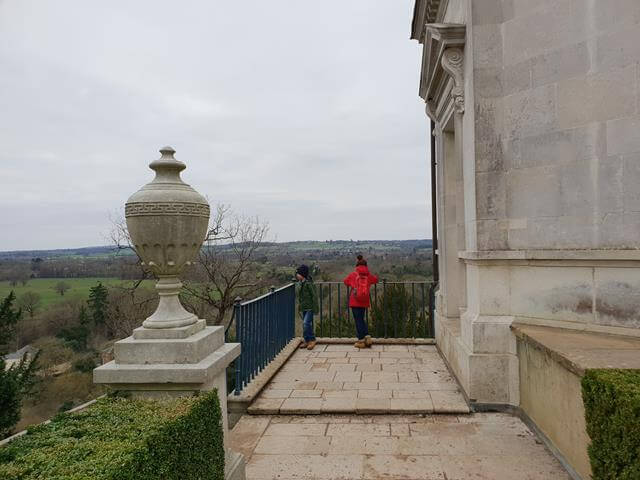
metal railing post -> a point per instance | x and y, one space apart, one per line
238 361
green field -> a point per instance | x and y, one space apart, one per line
44 287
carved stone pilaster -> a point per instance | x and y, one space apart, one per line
453 64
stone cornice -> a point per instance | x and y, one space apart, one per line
441 79
424 11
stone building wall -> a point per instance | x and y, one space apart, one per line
538 174
557 103
557 136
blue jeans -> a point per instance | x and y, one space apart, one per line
307 326
362 329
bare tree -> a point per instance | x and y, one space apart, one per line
126 309
225 264
119 236
30 302
223 271
61 287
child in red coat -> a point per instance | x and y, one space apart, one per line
360 282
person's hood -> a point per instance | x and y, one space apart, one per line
362 269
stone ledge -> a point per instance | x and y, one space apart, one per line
579 351
572 255
165 373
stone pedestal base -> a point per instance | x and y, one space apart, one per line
161 363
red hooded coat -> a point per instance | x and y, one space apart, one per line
350 281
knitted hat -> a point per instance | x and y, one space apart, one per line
303 270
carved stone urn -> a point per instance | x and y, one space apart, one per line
167 222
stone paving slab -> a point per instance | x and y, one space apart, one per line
481 446
343 379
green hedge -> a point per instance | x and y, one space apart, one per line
123 439
612 408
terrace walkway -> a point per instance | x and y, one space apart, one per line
342 379
339 413
480 446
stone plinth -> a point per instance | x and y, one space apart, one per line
169 362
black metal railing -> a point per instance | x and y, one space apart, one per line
263 326
398 310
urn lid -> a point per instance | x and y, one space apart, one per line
167 165
167 186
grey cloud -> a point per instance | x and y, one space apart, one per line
292 110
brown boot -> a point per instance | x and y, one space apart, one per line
360 344
303 345
311 344
368 341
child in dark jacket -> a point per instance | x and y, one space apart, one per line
307 305
360 282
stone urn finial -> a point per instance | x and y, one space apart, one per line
167 222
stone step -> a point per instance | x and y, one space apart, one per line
444 403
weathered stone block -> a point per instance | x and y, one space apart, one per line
522 8
542 26
531 112
601 96
560 147
539 183
487 46
553 293
623 136
618 49
488 290
487 82
516 77
631 224
487 12
492 234
489 378
617 292
488 334
578 195
560 64
611 185
631 183
607 15
490 195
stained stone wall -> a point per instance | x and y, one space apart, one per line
557 111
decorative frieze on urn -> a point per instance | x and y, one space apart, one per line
167 222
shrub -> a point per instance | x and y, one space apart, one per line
612 410
85 364
397 313
123 439
75 337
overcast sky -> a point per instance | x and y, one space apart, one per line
304 113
